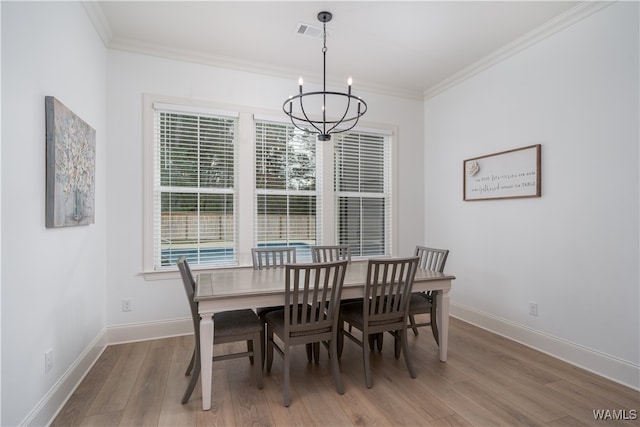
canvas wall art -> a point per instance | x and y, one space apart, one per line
71 155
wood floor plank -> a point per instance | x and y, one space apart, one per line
531 397
249 403
144 405
114 394
173 412
78 406
581 403
294 415
221 412
387 400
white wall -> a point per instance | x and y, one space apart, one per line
574 251
132 75
53 280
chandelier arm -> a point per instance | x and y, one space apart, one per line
344 115
307 119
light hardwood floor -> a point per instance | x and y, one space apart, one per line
487 381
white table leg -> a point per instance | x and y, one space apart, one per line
206 355
443 322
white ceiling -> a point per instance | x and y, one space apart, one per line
408 48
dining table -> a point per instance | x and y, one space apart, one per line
245 287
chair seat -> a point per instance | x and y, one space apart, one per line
275 319
419 303
263 311
236 322
352 313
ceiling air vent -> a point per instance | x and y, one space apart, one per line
310 30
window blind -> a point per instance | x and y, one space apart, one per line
288 187
363 192
195 191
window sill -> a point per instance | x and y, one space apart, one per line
175 274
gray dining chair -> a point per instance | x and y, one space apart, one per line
273 257
310 315
228 326
276 257
325 253
384 308
425 302
329 253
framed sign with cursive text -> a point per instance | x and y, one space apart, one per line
505 175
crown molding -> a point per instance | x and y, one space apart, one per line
236 64
99 21
535 36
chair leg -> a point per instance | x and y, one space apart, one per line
335 368
380 340
340 343
269 356
257 351
405 350
190 367
434 321
412 322
309 349
250 350
316 351
367 368
397 344
192 382
263 344
372 341
287 368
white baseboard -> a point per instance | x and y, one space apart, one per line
615 369
47 409
149 330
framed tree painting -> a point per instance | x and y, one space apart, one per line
71 154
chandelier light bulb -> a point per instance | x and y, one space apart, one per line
300 81
349 81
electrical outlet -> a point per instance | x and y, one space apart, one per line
126 305
533 308
48 361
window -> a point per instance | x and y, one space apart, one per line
194 187
363 192
288 187
218 183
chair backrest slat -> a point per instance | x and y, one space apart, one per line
312 295
274 257
388 289
330 253
190 287
432 259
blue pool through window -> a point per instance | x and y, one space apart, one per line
225 255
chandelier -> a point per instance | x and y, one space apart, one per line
353 107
